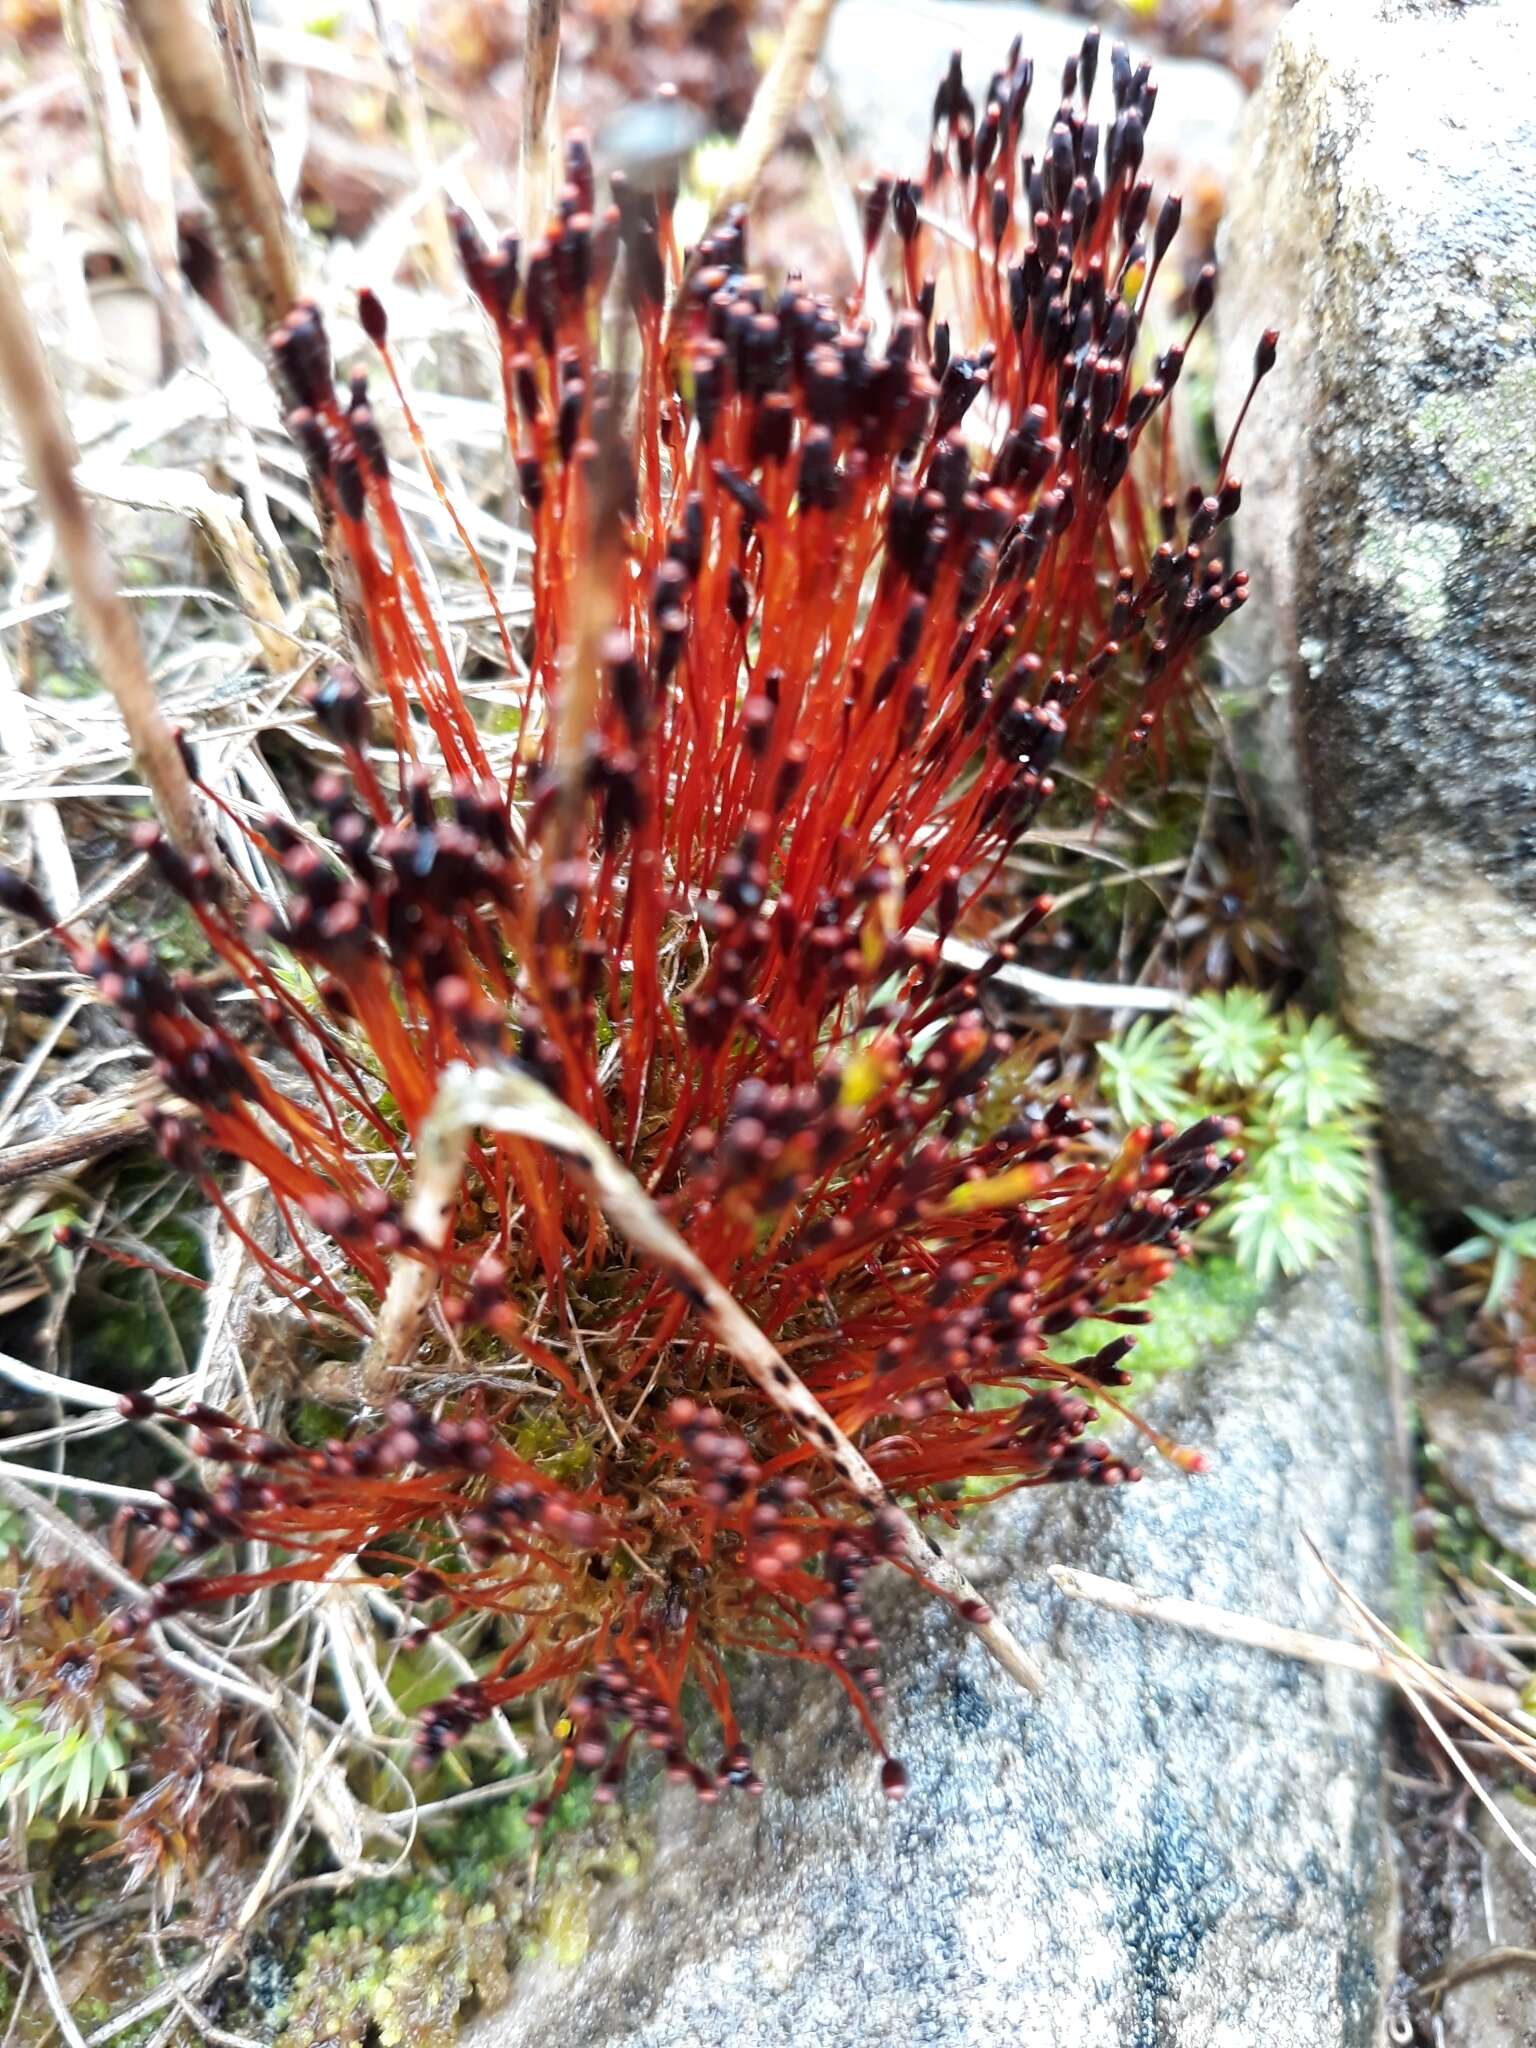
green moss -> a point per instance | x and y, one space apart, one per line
1461 1543
314 1423
126 1325
1206 1305
393 1962
402 1980
1407 1585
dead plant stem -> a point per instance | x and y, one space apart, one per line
106 619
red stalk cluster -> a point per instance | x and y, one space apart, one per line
813 617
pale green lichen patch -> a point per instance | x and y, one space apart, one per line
1484 436
1411 560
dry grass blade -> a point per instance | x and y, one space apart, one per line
222 520
393 42
541 61
1491 1710
1504 1722
32 1933
50 845
1389 1664
223 136
507 1100
1062 993
105 617
1501 1958
146 224
1246 1629
777 99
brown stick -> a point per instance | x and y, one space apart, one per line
227 152
541 60
782 88
212 100
235 33
108 623
69 1149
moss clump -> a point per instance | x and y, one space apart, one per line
394 1962
1205 1305
398 1974
1461 1543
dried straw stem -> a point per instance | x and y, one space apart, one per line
223 133
508 1100
32 1934
147 226
541 60
223 524
110 629
73 1148
778 98
236 33
1255 1634
437 255
50 843
213 100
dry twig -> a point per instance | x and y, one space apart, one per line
1060 991
1247 1629
109 625
541 60
777 99
224 135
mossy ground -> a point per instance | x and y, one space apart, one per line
396 1962
1205 1306
393 1962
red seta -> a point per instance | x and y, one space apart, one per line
815 610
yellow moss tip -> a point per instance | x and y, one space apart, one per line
1001 1190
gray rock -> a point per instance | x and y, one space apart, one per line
1487 1451
1179 1846
1495 2007
885 58
1383 215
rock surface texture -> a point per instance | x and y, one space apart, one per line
1384 217
1179 1846
1487 1450
1492 2003
885 57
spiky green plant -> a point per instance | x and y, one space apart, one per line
1319 1075
1304 1093
57 1772
1232 1038
1143 1073
1504 1246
